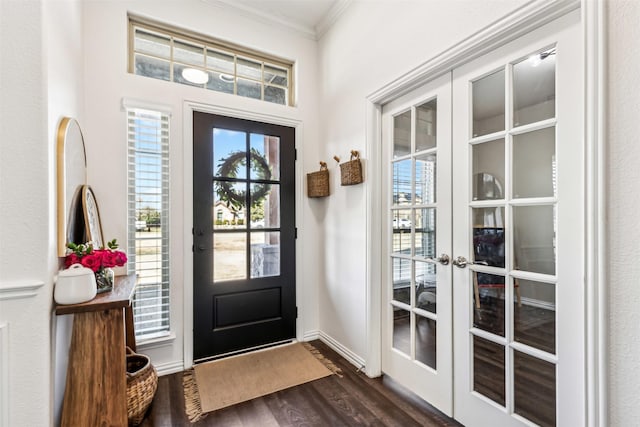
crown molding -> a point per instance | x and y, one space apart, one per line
332 16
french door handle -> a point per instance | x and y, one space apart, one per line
461 262
442 259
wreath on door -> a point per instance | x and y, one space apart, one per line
229 168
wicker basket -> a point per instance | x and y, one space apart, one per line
351 171
142 382
318 182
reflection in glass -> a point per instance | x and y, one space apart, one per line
265 205
488 104
402 182
401 231
265 254
426 119
426 286
265 158
534 239
218 82
488 237
534 164
402 134
535 321
488 369
425 179
534 383
488 313
426 341
229 208
534 88
401 330
178 78
402 280
488 217
229 256
275 76
488 170
229 153
425 235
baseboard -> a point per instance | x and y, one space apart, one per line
169 368
311 335
538 304
350 356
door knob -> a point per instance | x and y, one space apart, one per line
201 248
442 259
460 262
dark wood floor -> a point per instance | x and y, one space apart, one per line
353 400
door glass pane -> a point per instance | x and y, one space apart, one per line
535 389
221 62
425 233
401 231
426 286
228 205
426 120
534 88
488 242
488 170
402 182
229 256
402 134
488 104
265 157
230 153
488 369
534 164
265 205
401 330
426 341
219 83
535 318
188 53
249 88
265 254
488 300
402 280
534 239
425 179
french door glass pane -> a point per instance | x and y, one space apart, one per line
426 121
535 389
488 104
229 153
488 236
534 88
265 205
534 164
230 256
488 369
229 208
265 157
265 254
402 134
426 286
402 182
401 238
535 320
488 313
425 233
425 176
534 239
426 341
402 330
488 170
402 280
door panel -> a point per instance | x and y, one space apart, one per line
244 234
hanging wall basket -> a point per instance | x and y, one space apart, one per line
351 171
318 182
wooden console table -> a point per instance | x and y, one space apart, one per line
96 390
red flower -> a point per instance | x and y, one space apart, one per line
121 258
92 261
109 258
71 259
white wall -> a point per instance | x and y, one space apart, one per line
107 82
40 76
624 204
373 43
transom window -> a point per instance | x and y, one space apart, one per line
166 53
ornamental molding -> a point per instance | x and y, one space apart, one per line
19 290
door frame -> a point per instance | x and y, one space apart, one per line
188 109
521 21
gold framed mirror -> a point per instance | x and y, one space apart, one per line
71 177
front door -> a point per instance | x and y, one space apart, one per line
243 234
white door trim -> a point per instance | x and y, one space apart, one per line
531 16
187 198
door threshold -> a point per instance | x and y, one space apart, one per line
246 350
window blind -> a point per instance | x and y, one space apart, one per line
148 219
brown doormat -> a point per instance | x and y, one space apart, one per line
225 382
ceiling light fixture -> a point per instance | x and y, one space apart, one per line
226 78
194 75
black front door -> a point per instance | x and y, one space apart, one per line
243 234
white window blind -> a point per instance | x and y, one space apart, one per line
148 219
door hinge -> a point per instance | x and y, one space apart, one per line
295 233
295 154
193 248
296 312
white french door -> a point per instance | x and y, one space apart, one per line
506 335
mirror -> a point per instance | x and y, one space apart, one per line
93 226
71 177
